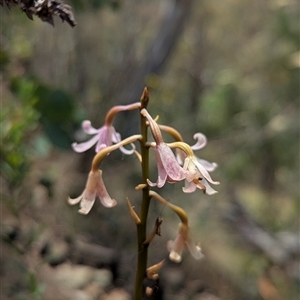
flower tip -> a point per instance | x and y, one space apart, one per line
72 201
201 141
198 254
108 202
175 257
84 211
151 183
86 124
73 145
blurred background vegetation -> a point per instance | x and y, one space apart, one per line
228 69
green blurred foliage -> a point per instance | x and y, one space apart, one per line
18 121
34 103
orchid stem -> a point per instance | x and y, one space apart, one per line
142 226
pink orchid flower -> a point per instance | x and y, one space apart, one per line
168 168
94 188
200 144
183 240
193 165
198 165
104 136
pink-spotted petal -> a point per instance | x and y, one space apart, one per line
88 128
201 141
162 174
86 145
169 163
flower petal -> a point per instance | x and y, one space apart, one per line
99 146
204 172
210 167
89 194
107 201
102 193
87 127
116 136
150 182
162 174
175 254
180 156
126 151
72 201
201 141
105 136
86 205
194 250
86 145
168 161
208 189
189 187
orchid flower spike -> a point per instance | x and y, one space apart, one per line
94 187
106 135
183 240
168 168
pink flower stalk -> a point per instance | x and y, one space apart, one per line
106 135
183 240
94 188
168 168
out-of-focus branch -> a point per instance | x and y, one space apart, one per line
160 48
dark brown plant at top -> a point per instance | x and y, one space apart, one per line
44 9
